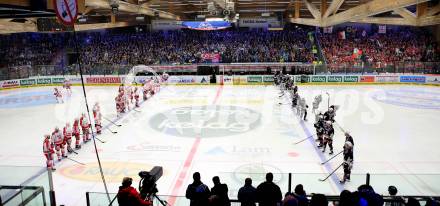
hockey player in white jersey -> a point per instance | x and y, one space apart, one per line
57 140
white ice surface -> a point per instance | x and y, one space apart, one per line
397 142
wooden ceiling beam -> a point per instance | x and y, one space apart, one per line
434 10
131 8
333 8
304 21
368 9
406 14
315 12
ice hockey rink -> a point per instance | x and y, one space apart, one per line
233 132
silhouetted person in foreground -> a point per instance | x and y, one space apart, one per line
247 195
197 192
220 190
268 193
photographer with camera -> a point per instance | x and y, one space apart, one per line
128 196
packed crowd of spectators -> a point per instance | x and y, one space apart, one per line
379 50
172 47
28 49
183 47
225 46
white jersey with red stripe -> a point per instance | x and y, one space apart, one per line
84 123
67 132
57 138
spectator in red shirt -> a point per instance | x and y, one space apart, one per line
128 196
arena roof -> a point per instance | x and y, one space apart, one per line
21 15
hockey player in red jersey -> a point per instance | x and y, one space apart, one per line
58 95
48 151
76 133
57 140
67 133
136 97
97 116
85 126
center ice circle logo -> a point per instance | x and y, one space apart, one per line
206 121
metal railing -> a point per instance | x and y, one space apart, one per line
23 195
409 185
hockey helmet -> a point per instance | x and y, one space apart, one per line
57 129
47 136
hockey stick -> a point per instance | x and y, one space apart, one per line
99 139
114 132
71 150
322 180
332 157
112 122
75 161
304 139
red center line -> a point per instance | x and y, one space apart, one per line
189 159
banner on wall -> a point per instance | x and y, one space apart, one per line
334 79
367 79
259 22
351 79
188 80
382 29
103 80
387 79
27 82
328 30
9 84
165 25
433 79
44 81
413 79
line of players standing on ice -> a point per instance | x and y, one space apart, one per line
323 122
59 141
130 94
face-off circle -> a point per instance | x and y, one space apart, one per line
206 121
411 98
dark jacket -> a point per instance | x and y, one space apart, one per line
221 190
268 194
198 193
128 196
247 195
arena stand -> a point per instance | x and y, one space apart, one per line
408 56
